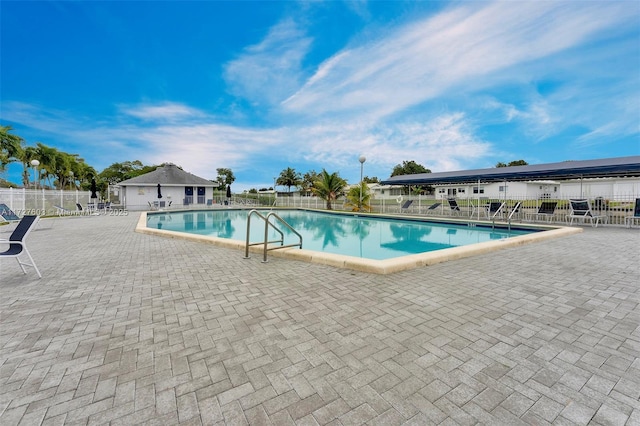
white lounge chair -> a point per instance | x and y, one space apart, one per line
494 209
405 207
455 208
17 245
433 207
546 210
7 215
636 214
516 210
581 209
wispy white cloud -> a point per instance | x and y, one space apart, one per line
269 71
200 144
421 61
359 7
442 143
166 111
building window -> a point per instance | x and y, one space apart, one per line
460 190
502 188
478 191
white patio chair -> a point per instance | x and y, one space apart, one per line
17 245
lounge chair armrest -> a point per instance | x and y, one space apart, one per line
3 241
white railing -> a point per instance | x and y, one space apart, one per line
43 202
616 209
46 202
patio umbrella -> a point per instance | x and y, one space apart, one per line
228 191
94 188
159 192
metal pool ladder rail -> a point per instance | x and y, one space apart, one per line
265 242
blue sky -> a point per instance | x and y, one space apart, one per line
261 86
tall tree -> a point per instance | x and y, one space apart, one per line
289 177
409 168
225 178
329 187
512 163
10 147
308 179
117 172
47 157
27 154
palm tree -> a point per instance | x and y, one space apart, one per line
306 185
289 177
10 147
66 164
329 187
47 156
27 154
353 197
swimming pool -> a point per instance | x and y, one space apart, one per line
377 238
376 243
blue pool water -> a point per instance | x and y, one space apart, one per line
351 235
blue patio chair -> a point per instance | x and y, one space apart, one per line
17 245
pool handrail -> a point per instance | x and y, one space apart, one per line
266 241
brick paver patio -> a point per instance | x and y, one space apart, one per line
126 328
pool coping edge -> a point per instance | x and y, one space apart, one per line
380 267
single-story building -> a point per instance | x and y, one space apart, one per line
609 178
380 191
167 186
498 190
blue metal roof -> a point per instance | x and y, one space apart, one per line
607 167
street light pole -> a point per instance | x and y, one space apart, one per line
35 164
362 159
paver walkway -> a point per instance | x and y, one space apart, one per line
126 328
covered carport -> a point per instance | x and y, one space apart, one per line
583 169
